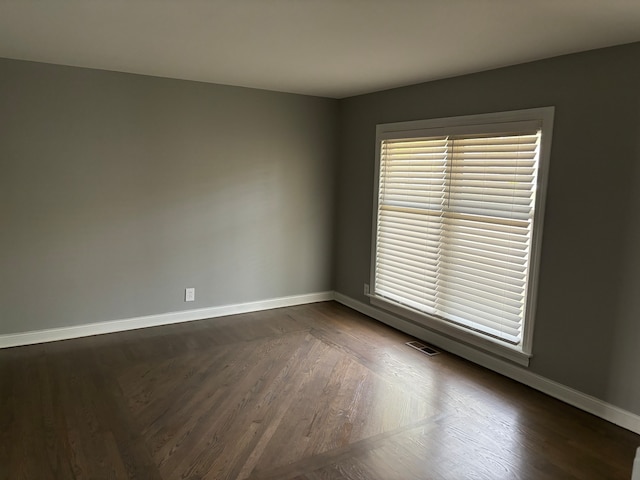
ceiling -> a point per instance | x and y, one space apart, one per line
330 48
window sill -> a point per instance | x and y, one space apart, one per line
457 333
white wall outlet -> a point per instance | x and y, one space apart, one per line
366 289
189 294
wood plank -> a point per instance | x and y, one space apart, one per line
307 392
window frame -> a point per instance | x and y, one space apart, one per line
474 124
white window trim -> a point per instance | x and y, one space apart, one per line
482 123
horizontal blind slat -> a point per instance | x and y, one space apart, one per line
454 227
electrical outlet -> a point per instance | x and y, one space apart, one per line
366 289
189 294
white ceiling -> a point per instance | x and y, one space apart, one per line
332 48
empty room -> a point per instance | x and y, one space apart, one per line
304 239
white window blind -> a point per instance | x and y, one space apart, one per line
454 227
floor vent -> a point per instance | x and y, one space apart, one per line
426 349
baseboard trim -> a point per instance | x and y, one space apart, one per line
588 403
580 400
66 333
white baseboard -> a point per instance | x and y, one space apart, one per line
65 333
585 402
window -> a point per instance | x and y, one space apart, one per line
457 228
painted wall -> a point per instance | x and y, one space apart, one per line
117 191
587 331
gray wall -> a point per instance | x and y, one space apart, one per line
587 333
118 191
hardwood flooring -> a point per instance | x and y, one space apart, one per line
309 392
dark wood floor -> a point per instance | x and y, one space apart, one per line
308 392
